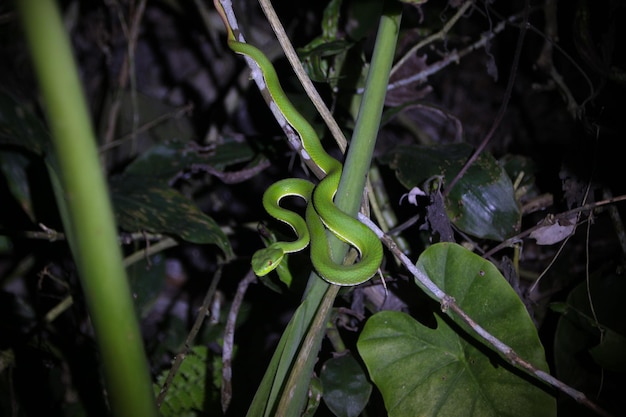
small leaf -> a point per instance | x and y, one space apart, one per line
20 126
318 57
609 353
139 111
346 387
589 339
147 280
445 372
165 160
14 166
314 397
553 231
143 204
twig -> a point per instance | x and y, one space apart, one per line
202 313
146 127
229 339
67 302
450 58
150 250
257 75
549 10
57 310
545 61
432 38
306 82
448 303
126 72
133 35
616 219
503 105
563 215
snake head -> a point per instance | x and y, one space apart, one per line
266 260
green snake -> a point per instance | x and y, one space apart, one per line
321 212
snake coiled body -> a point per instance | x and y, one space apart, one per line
321 213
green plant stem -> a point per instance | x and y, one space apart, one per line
296 353
88 216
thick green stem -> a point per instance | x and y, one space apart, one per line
358 159
88 213
312 315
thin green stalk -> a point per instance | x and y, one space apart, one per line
289 373
88 215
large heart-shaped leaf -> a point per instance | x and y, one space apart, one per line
422 371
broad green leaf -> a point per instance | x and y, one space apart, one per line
144 204
482 203
346 387
422 371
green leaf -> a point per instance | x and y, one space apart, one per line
144 204
345 385
364 16
330 20
482 203
610 353
414 2
589 351
314 397
318 54
192 390
14 166
19 126
151 119
521 170
147 280
165 160
444 371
